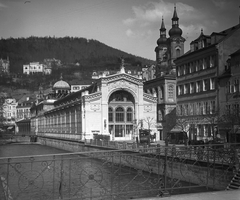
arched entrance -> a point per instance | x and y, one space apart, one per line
121 115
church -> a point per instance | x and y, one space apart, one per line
115 106
164 85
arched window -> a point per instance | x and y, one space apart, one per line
129 115
160 115
119 114
177 53
110 114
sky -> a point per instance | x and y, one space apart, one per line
128 25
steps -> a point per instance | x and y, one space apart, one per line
235 182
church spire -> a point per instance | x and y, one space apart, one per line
163 25
175 17
162 29
175 30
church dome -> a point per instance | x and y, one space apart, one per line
162 40
61 85
175 31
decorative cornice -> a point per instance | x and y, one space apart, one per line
117 77
93 96
149 97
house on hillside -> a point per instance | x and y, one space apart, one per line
36 67
4 66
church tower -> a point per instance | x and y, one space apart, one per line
168 49
162 52
176 40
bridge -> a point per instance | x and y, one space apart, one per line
111 170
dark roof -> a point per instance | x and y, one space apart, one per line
235 53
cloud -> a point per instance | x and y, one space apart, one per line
148 17
219 3
130 33
138 34
2 6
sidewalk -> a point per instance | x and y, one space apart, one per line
219 195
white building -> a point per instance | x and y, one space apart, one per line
114 106
36 67
10 111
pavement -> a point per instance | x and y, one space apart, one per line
218 195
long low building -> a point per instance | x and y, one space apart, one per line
114 106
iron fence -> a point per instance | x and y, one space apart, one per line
117 174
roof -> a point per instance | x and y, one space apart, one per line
61 85
235 53
81 82
225 34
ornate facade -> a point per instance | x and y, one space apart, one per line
114 106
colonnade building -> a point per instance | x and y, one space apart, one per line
114 106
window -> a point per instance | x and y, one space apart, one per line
119 131
236 109
160 116
178 71
110 114
170 91
177 53
184 69
129 115
229 87
197 65
212 107
190 68
119 114
204 64
228 109
187 69
198 86
236 85
191 88
212 61
179 90
185 89
191 109
205 85
129 129
212 84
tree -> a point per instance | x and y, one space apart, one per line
214 120
231 120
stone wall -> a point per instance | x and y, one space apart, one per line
213 176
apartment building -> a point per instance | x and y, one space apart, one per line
229 93
198 91
10 112
23 108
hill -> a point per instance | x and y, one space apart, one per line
91 53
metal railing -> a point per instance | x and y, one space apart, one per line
117 174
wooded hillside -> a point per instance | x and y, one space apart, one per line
68 49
